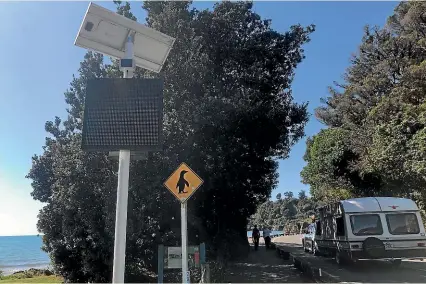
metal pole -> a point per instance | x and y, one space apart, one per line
122 197
184 242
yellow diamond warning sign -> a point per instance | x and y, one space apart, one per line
183 182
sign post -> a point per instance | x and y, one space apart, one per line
183 183
184 230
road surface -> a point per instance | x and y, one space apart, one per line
264 266
411 271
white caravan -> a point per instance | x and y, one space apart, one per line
371 228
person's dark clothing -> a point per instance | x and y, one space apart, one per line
267 242
256 237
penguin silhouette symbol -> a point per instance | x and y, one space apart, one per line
182 182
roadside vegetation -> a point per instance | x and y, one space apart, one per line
287 213
375 140
31 276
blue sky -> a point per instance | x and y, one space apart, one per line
39 59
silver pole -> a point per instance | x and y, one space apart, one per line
184 229
122 196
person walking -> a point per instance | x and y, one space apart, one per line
267 237
255 235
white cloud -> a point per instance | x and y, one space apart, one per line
18 211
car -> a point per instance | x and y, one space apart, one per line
308 239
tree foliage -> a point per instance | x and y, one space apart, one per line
375 143
288 214
228 113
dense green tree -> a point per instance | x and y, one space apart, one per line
288 195
330 167
375 141
302 195
229 114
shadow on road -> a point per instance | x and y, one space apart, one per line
264 266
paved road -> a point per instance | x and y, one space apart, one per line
383 272
264 266
362 272
293 239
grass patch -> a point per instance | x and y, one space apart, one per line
35 279
31 276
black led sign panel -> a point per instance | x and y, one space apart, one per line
123 114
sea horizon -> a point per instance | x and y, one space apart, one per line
22 252
29 235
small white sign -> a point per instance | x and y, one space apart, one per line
188 277
174 257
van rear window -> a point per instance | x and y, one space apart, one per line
403 224
366 225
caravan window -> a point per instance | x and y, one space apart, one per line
365 225
402 224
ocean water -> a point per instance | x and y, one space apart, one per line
22 252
